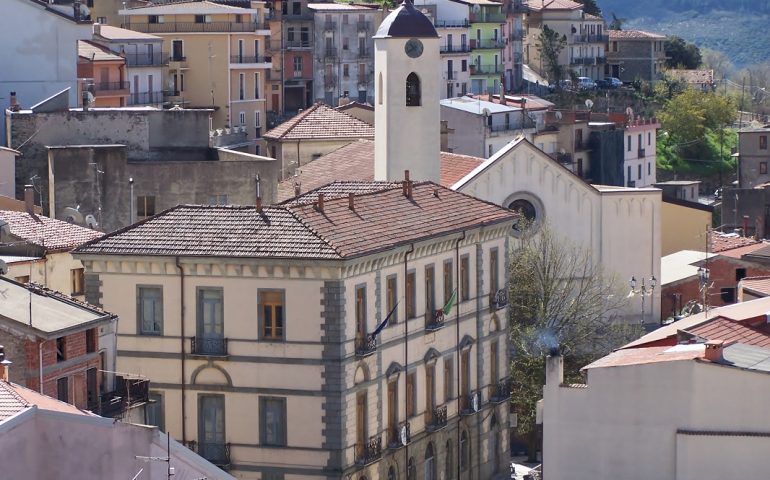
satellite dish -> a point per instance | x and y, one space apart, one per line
589 103
630 111
475 402
558 115
91 222
486 112
72 215
3 268
403 435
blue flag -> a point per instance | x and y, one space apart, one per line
384 322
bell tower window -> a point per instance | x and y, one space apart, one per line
413 95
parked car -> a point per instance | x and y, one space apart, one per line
585 83
613 82
603 84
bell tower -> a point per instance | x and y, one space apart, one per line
406 104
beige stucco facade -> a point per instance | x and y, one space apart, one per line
54 270
683 227
292 154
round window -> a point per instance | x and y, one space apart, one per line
525 208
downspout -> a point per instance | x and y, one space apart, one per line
181 351
40 364
457 343
406 354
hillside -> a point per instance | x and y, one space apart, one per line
740 32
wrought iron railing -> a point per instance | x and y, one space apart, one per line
370 451
436 320
363 26
500 392
365 53
330 25
454 49
146 59
460 23
438 418
249 59
215 346
499 299
145 98
400 435
366 346
182 27
484 17
105 86
127 393
486 69
641 153
215 452
330 52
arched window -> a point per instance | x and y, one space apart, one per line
449 464
413 94
463 451
379 89
430 467
411 470
392 473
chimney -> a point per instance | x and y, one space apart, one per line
714 349
405 186
29 199
351 204
259 204
745 225
4 365
297 189
14 103
97 28
554 370
320 205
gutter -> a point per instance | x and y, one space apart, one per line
181 351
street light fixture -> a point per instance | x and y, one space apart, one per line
644 290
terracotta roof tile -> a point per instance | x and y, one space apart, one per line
379 220
321 121
739 252
731 332
93 52
639 356
720 242
27 397
11 402
693 76
634 34
758 285
355 162
47 232
553 5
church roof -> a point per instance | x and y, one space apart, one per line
406 22
321 122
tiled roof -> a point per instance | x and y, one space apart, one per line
758 285
47 232
639 356
379 220
693 76
341 188
739 252
320 122
350 105
725 241
339 6
15 398
553 5
191 7
11 402
116 33
92 52
355 162
634 34
731 332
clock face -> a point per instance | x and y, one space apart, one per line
413 48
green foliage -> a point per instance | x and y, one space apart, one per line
558 298
550 44
591 7
681 54
616 23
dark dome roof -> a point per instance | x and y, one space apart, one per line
406 22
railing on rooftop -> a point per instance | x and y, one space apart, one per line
459 23
193 27
454 49
154 59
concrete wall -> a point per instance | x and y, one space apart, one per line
683 227
7 173
171 183
638 59
467 132
53 271
751 202
292 154
752 157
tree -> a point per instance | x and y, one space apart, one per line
681 54
590 7
559 298
717 61
617 22
550 45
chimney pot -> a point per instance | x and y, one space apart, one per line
14 103
29 199
351 204
406 175
320 202
259 204
97 28
554 371
714 350
4 365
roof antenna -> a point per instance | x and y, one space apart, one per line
259 193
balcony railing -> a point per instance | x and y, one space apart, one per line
485 17
364 79
216 453
436 321
127 393
363 26
240 59
587 38
298 44
183 27
470 403
155 59
517 6
506 127
641 153
370 451
399 436
145 98
500 392
330 52
601 60
460 23
517 34
211 346
437 419
366 346
365 53
486 69
330 79
105 86
450 75
454 49
583 60
330 25
487 43
499 299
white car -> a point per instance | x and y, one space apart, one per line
585 83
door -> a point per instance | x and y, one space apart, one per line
211 325
392 412
430 393
150 89
360 423
211 428
176 50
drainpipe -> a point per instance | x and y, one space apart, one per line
457 343
406 354
40 364
181 351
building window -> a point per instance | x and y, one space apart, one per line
296 8
61 349
728 294
361 423
430 292
740 274
411 395
360 312
218 199
345 70
77 280
449 461
290 34
242 118
379 89
763 142
22 279
257 119
411 470
465 375
762 167
211 428
92 389
411 294
494 283
91 342
449 287
464 65
494 368
149 310
177 50
391 297
649 168
463 451
639 171
154 411
392 473
297 65
393 433
629 143
272 424
649 138
345 43
211 321
430 467
256 86
465 277
145 205
413 96
62 389
241 86
448 377
430 391
273 314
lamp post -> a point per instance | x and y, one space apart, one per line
643 290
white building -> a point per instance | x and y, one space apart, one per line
145 60
640 152
8 171
683 412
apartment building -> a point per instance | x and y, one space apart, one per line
586 37
487 68
344 51
452 21
216 58
513 52
635 55
101 76
339 334
640 151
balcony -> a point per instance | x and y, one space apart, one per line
486 17
106 86
369 452
436 321
500 392
208 346
366 346
193 27
454 49
498 300
450 75
364 79
146 59
517 6
584 60
253 59
461 23
145 98
365 53
128 393
586 38
641 153
330 53
437 419
601 60
330 79
487 43
364 26
330 25
399 436
506 127
517 34
298 44
470 403
486 69
216 453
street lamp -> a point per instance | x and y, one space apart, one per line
643 290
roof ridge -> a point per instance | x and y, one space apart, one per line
756 277
311 229
8 387
297 119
